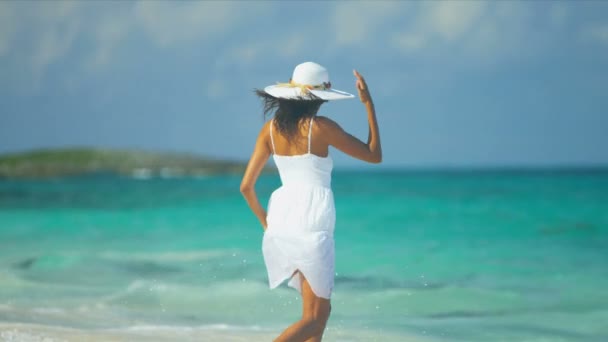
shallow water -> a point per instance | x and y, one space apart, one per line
451 256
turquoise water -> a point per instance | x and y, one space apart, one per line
456 256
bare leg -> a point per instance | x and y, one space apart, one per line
314 317
317 338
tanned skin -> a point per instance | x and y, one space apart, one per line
325 133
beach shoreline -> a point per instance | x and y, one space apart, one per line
30 332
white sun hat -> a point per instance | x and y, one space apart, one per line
308 77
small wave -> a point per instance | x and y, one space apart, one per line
141 173
24 264
14 335
134 286
28 332
184 294
370 283
49 310
216 326
147 268
166 256
168 172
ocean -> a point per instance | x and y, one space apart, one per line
509 255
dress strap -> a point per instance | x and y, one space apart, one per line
271 140
309 132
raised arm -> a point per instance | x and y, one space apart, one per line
334 134
258 159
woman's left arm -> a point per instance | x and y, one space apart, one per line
258 159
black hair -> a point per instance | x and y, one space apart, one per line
289 113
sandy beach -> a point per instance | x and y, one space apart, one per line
24 332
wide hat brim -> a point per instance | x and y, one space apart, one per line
296 93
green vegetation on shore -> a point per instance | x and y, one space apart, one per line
46 163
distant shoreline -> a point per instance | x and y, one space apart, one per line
145 164
516 169
53 163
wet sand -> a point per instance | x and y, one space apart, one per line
26 332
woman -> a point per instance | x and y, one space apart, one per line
298 240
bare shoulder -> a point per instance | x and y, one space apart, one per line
326 124
264 135
328 129
265 130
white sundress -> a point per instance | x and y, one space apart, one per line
300 219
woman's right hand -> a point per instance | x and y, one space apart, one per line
362 88
335 136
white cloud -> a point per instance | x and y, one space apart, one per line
451 19
110 31
355 22
597 32
168 23
473 28
55 27
503 30
437 23
50 28
7 27
56 10
293 44
244 54
53 43
410 41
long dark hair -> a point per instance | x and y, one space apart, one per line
289 113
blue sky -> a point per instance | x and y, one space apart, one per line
455 83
